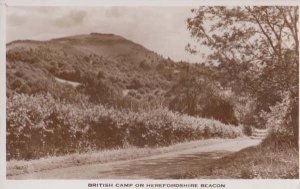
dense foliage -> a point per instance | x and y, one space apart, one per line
256 49
39 125
200 96
110 74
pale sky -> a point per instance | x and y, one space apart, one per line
161 29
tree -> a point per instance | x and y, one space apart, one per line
198 95
97 89
256 49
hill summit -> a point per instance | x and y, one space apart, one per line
94 63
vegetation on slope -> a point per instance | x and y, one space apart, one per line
112 71
128 95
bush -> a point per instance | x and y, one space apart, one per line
247 130
135 84
283 118
200 97
39 125
277 140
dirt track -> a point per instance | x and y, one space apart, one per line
163 166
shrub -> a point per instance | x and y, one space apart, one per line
199 97
135 84
40 125
247 130
282 120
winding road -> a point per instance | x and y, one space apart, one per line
163 166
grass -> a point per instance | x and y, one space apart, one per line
16 167
265 161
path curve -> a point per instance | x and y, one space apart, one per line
163 166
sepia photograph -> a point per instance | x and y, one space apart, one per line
152 92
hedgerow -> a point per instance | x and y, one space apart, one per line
40 125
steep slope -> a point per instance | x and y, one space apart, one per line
105 92
125 67
105 68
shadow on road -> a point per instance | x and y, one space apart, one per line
167 168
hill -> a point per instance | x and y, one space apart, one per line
102 91
103 67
